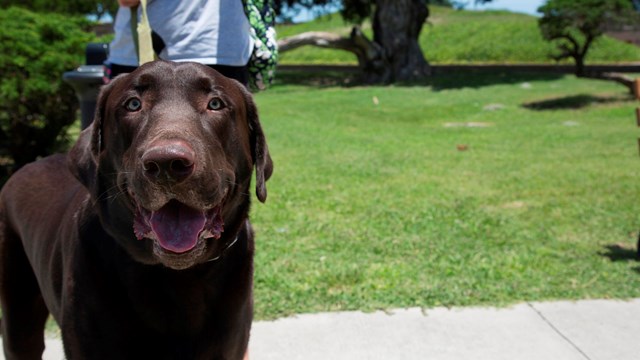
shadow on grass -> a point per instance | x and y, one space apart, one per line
575 102
318 79
438 82
477 79
617 252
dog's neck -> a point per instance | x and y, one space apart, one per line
231 243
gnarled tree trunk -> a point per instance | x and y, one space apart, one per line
393 55
396 27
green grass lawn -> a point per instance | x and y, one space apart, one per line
468 189
452 36
471 189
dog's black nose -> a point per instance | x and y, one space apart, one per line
168 161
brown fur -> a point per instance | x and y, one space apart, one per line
67 240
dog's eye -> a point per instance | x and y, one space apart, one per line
133 104
215 104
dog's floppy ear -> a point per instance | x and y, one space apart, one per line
83 156
259 149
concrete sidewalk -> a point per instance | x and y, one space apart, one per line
591 329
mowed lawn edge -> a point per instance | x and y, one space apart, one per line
472 189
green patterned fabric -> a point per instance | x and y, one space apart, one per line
262 64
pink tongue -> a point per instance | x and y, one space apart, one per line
177 226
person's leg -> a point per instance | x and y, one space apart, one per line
239 73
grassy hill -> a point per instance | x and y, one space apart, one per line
453 36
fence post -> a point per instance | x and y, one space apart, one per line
636 92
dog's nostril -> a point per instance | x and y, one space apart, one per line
181 167
172 163
171 169
151 168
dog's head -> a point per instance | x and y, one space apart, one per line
168 161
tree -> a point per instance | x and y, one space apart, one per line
396 27
574 25
74 7
393 54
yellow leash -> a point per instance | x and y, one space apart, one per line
142 34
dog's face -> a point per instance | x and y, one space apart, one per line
170 155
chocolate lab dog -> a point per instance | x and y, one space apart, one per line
138 241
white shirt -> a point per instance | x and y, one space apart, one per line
211 32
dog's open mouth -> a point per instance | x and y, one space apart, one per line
177 227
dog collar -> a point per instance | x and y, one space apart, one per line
224 250
228 246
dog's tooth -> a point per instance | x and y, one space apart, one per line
206 234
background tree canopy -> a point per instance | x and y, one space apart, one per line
356 11
73 7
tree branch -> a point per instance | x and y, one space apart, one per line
586 45
570 39
370 55
316 38
622 79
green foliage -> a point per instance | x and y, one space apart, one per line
355 11
372 205
561 18
74 7
36 106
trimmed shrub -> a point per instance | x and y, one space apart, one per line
36 106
